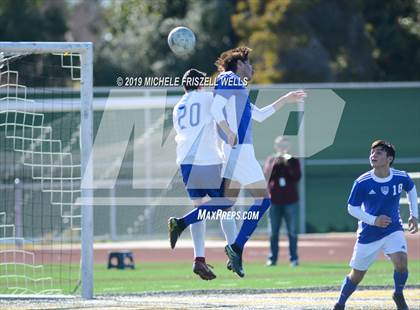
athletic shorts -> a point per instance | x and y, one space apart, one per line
365 254
201 181
241 165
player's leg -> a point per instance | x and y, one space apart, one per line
198 232
197 235
228 224
229 228
234 251
231 189
258 191
209 180
399 259
230 232
363 256
275 216
290 216
234 254
219 200
214 184
246 171
200 212
356 276
199 180
348 286
395 248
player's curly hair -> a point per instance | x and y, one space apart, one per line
386 146
227 61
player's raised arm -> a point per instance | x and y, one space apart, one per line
261 114
414 210
293 96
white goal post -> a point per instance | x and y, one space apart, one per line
85 50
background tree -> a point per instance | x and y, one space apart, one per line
394 27
324 40
27 20
32 20
136 37
293 40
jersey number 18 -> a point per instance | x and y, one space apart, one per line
400 187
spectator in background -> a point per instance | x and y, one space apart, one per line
283 174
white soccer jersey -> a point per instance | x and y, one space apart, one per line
196 134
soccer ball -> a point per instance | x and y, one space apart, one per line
181 40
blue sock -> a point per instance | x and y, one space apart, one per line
399 281
347 288
211 206
249 225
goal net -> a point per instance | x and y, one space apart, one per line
44 87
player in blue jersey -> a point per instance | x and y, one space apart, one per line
233 112
374 201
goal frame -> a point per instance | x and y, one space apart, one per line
85 49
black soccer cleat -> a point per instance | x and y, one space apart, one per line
229 265
337 306
174 231
235 261
203 271
400 301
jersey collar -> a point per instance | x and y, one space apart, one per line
382 180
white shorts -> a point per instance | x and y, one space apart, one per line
241 165
365 254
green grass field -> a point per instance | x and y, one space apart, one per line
149 277
155 277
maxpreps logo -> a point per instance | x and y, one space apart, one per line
128 113
227 215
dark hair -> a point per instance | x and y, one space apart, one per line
386 146
193 79
228 60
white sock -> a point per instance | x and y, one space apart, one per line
198 230
229 229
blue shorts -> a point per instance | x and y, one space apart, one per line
201 181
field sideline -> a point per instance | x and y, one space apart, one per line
314 299
163 278
330 247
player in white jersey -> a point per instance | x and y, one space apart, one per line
200 160
374 201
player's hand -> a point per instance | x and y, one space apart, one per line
232 138
230 135
413 225
295 96
382 221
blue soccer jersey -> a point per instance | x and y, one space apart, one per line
379 196
238 110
